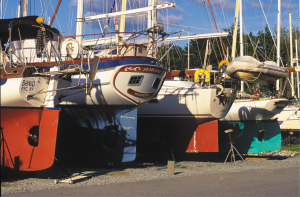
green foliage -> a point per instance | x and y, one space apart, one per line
293 147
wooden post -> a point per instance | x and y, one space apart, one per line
171 165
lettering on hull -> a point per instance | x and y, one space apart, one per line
143 69
140 94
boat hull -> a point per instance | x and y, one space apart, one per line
182 118
250 137
92 136
28 138
183 102
117 82
262 109
289 118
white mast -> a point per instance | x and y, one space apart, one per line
79 22
24 5
291 52
188 66
236 18
123 17
1 9
298 91
278 39
19 9
241 39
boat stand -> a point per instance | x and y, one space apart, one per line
232 148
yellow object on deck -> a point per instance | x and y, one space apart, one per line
223 62
40 19
204 74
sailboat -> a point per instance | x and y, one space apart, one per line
28 123
96 92
183 118
250 115
103 118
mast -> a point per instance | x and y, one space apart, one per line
298 91
188 66
234 37
19 9
23 8
1 9
241 39
150 25
123 17
278 39
79 22
53 17
291 52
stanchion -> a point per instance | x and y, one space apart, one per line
232 148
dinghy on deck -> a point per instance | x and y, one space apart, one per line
249 69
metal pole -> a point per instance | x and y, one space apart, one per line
79 22
234 37
291 52
10 49
188 66
241 40
150 25
278 39
298 91
1 9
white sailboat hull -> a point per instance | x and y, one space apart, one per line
185 99
262 109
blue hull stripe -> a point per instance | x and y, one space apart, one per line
120 62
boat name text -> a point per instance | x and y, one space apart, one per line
27 86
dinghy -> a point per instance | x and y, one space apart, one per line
249 69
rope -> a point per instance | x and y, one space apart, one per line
255 78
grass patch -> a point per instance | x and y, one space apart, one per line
292 148
117 173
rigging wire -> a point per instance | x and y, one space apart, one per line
262 29
194 30
57 19
268 23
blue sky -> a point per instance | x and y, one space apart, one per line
195 14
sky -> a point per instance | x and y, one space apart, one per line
187 14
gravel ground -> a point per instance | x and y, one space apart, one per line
142 172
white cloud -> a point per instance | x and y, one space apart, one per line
177 9
171 18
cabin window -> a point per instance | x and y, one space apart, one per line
140 50
156 83
135 80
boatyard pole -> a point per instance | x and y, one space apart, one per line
291 52
298 91
241 40
278 39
